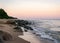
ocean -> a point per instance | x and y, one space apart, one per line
47 29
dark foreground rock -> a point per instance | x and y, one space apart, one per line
1 41
28 27
22 22
4 36
18 29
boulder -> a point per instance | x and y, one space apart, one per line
1 41
28 27
5 36
18 29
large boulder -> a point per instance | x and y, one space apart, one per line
1 41
18 29
22 22
28 27
5 36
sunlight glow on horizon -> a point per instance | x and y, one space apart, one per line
33 9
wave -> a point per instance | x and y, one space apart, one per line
40 29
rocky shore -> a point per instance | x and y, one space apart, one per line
11 32
8 34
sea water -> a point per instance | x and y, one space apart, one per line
47 29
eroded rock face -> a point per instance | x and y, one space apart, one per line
4 36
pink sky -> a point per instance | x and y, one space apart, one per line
33 9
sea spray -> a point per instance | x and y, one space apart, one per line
43 29
40 31
42 34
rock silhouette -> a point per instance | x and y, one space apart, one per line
3 15
4 36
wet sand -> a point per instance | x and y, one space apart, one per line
17 40
34 39
30 37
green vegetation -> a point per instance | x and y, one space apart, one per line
3 15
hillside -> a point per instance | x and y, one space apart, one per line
4 15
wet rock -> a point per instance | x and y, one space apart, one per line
22 22
18 29
10 22
1 41
5 36
25 30
27 27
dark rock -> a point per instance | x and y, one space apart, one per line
25 30
18 29
22 22
1 41
10 22
12 17
27 27
5 36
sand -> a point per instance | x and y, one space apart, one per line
17 40
34 39
30 37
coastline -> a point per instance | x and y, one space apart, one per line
30 37
19 37
34 39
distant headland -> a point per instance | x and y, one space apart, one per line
4 15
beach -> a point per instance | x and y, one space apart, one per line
30 37
22 37
34 39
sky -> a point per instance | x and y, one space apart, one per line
42 9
